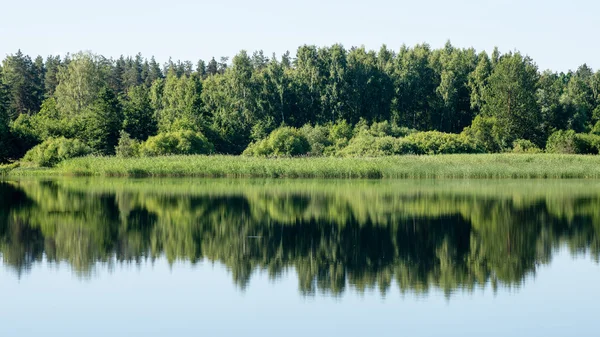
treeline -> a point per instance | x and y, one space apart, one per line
501 98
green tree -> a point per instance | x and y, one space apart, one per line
80 83
53 64
103 123
138 114
23 81
511 98
181 103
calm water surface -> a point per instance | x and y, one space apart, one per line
110 257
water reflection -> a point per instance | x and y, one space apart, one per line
362 234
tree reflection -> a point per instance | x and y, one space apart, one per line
416 238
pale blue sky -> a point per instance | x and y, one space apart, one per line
559 35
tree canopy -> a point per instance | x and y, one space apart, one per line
241 100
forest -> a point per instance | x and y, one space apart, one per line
324 101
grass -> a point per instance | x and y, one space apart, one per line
437 166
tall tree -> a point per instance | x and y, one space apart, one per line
138 115
181 103
510 97
80 83
53 63
103 123
22 84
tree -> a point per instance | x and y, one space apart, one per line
510 97
181 103
80 83
24 84
103 123
138 115
4 123
212 67
478 80
415 83
53 64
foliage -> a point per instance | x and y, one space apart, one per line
567 141
318 139
54 150
435 142
525 146
282 142
103 123
487 133
127 147
341 92
176 143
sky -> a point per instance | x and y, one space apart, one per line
558 35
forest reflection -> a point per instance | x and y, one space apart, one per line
336 235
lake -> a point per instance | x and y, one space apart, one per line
218 257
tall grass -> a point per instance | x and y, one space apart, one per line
436 166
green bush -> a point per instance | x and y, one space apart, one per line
384 128
487 132
340 131
435 142
525 146
575 143
587 143
366 145
318 138
596 129
54 150
284 141
179 142
127 147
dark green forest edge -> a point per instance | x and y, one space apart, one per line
416 235
324 102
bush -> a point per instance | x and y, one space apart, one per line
54 150
318 139
366 145
384 128
340 132
284 141
435 142
487 132
127 147
525 146
574 143
596 129
179 142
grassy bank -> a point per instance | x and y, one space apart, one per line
438 166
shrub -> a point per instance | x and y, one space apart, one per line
435 142
587 143
318 138
179 142
572 143
54 150
596 129
284 141
575 143
487 132
384 128
525 146
366 145
127 147
340 131
561 142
